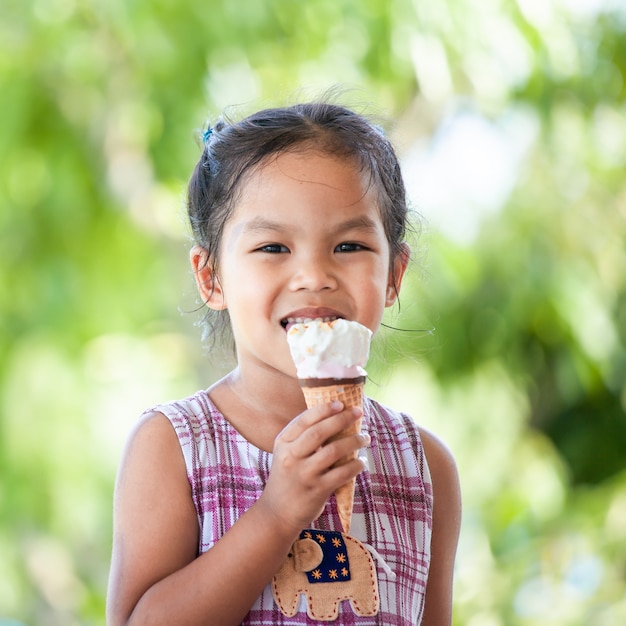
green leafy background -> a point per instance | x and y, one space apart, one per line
510 118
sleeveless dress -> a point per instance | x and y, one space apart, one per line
392 513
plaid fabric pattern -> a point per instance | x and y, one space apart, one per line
392 505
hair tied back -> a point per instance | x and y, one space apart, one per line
206 135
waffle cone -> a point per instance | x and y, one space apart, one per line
351 395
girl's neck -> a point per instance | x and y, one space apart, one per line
258 406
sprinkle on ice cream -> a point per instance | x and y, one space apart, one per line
337 349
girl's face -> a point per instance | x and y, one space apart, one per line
305 240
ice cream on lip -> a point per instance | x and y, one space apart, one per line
335 349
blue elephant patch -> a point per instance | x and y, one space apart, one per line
335 565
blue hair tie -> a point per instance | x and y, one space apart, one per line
207 134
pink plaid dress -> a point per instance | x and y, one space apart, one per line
392 505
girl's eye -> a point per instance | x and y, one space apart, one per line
273 248
349 247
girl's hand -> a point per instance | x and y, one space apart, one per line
302 477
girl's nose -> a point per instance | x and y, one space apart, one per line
313 275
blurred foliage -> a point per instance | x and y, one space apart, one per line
510 118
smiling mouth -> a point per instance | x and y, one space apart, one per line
288 322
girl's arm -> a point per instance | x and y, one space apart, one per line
446 528
156 576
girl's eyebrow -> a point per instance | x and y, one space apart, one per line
260 223
361 222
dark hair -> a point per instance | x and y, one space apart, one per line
233 150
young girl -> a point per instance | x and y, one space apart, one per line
298 212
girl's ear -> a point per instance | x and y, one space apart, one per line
400 263
207 280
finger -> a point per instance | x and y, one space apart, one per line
321 433
338 475
340 451
308 418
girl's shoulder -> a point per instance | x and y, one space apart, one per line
202 430
196 422
386 423
195 407
381 418
191 415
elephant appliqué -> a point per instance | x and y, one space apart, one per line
327 567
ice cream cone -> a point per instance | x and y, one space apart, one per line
329 357
350 393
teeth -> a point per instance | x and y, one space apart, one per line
308 320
